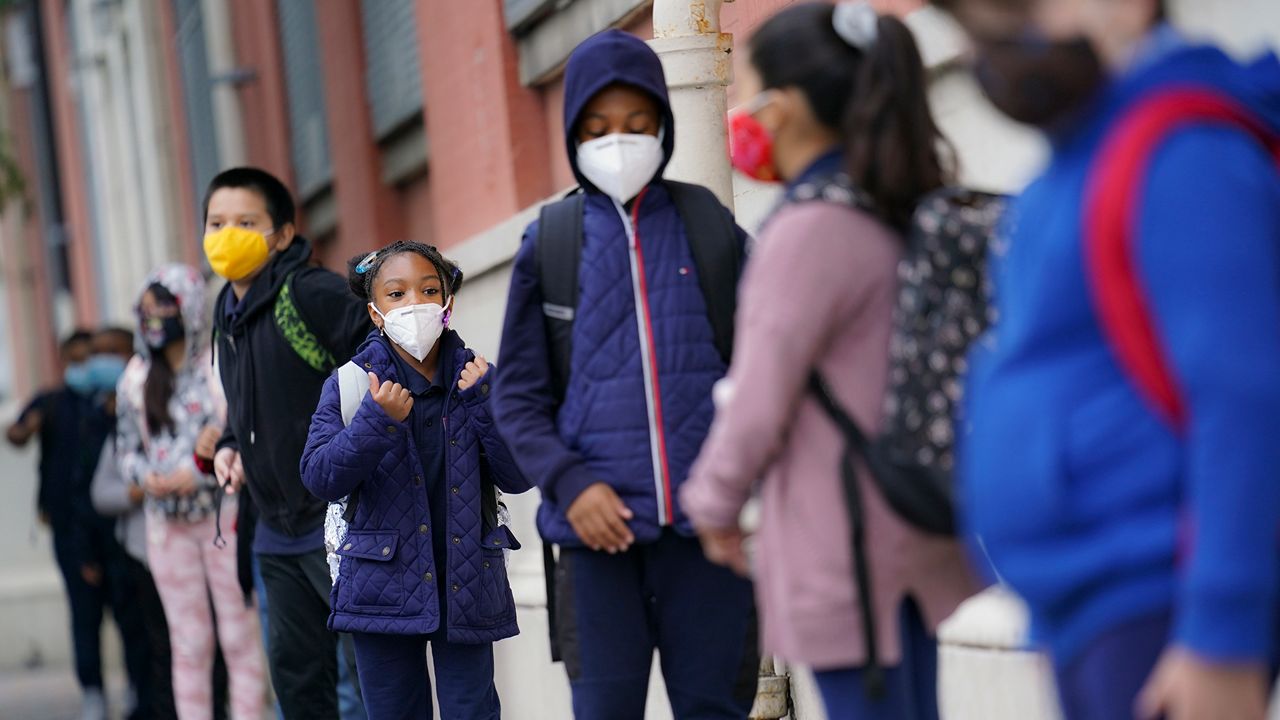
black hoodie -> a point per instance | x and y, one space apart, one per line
271 391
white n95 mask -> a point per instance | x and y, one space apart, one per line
415 328
620 165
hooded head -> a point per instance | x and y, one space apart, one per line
187 287
608 59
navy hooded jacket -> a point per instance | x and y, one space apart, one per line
388 579
638 403
1091 506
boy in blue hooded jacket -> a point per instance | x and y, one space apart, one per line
611 453
1146 541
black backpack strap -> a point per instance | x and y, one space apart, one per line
559 253
549 577
713 240
855 445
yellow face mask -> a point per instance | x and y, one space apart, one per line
235 252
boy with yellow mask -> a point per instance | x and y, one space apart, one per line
281 326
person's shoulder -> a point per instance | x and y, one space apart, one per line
816 220
1209 155
317 277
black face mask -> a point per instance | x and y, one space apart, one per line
158 333
1037 81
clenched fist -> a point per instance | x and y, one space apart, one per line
395 399
472 373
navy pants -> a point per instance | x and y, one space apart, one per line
615 610
1105 679
92 542
911 688
395 684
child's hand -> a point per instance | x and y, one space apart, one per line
472 373
207 441
393 397
599 517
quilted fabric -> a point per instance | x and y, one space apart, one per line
387 575
604 417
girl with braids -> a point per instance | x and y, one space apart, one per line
171 413
842 102
422 561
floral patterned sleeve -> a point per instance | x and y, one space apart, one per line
130 452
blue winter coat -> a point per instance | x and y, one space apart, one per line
638 404
387 578
1092 507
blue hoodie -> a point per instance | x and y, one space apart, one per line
1093 508
643 361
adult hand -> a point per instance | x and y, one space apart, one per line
724 546
136 495
229 470
207 441
599 517
472 373
1186 687
395 399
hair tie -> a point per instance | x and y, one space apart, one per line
856 23
363 266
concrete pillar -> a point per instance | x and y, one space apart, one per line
695 56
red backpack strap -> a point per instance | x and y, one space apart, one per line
1113 203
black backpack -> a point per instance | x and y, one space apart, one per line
717 255
943 307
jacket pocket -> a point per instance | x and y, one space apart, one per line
372 580
496 600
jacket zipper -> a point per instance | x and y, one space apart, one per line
648 362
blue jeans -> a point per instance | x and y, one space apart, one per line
394 680
911 688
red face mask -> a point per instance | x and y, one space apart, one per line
751 147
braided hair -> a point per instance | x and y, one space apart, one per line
362 270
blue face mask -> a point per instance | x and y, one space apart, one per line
78 378
105 371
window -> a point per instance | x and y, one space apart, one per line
304 83
197 91
547 31
522 14
393 73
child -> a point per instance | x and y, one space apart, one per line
72 424
841 266
168 415
422 561
1143 536
609 431
281 326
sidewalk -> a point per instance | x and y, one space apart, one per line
48 694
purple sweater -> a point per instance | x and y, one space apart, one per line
819 291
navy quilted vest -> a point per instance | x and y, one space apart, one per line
605 417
